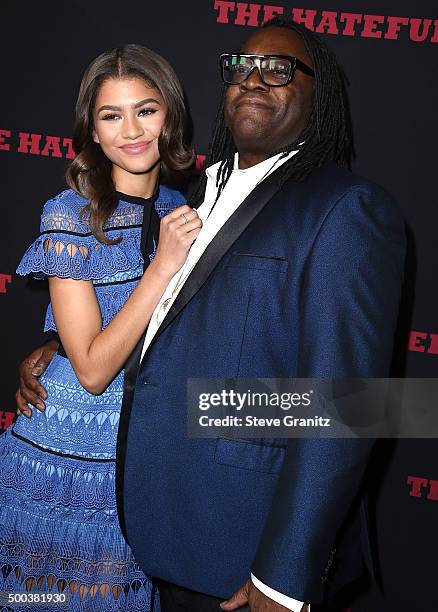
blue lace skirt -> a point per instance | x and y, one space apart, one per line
59 531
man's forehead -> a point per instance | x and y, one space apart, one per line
283 41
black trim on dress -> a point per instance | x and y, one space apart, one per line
53 452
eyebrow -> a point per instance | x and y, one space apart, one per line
136 105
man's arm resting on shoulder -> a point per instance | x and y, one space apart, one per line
350 301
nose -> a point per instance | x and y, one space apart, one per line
254 81
132 127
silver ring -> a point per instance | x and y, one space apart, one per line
185 217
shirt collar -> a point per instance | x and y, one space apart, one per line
254 171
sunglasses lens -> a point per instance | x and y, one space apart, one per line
276 70
235 68
273 70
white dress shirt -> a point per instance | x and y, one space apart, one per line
214 216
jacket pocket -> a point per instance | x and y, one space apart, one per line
249 455
255 261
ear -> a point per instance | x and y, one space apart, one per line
95 136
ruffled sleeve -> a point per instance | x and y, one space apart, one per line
67 249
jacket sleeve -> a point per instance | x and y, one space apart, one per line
349 305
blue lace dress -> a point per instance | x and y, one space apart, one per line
59 530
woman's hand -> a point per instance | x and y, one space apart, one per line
97 354
178 231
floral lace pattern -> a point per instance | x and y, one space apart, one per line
59 530
66 248
74 422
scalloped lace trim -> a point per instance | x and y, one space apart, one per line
80 259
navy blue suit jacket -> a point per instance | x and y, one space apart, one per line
302 281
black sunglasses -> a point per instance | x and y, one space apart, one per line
274 70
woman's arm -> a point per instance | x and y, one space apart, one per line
98 355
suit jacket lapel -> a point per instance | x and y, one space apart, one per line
129 380
220 244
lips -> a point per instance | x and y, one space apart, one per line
135 148
251 101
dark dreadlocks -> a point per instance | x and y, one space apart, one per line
327 135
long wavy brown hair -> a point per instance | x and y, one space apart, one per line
90 172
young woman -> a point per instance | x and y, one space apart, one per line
59 531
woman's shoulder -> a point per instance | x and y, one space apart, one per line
63 212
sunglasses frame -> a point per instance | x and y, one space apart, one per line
295 64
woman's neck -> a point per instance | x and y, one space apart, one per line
141 185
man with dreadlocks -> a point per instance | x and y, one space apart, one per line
297 272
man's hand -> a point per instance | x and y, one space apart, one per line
30 391
249 594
